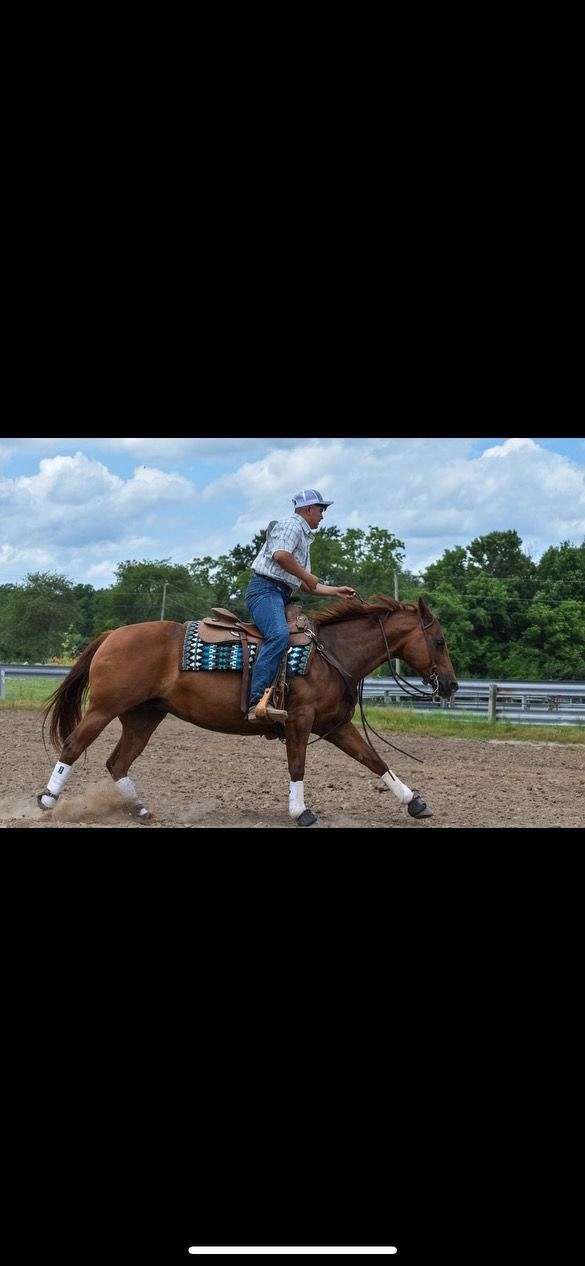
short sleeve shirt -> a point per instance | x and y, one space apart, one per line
293 535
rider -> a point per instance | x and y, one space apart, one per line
281 568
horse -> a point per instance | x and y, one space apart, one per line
134 673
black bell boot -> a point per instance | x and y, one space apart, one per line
307 818
418 807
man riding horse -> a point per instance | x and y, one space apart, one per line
198 671
281 568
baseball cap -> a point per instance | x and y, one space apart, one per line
309 497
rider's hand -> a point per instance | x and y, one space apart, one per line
335 591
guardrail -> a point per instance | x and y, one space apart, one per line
28 670
536 702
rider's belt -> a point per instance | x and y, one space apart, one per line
281 584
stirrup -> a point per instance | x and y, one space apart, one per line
266 712
272 715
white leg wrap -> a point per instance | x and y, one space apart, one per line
126 788
400 790
129 793
296 799
56 784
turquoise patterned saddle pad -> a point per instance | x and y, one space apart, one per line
220 657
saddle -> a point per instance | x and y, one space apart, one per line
227 627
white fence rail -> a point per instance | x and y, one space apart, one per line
536 702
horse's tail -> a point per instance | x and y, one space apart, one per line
66 702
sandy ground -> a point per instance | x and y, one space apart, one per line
190 777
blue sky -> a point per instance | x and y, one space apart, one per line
80 506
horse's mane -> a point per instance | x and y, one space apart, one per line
352 608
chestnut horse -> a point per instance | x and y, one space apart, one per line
134 673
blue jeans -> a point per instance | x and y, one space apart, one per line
266 600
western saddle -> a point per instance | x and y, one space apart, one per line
227 627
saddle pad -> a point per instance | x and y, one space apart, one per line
216 657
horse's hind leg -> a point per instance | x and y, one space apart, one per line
92 724
138 724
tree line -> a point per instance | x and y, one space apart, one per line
504 615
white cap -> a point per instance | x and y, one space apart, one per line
309 497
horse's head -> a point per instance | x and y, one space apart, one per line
425 649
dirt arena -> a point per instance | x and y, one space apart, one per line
194 778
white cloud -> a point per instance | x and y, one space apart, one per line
76 516
165 449
24 560
431 493
74 506
103 572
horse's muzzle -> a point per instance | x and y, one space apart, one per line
447 686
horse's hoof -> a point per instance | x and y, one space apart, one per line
307 818
141 812
418 808
45 807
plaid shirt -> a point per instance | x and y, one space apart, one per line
293 535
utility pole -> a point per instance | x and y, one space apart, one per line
162 610
397 669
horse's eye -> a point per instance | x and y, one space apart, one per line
439 642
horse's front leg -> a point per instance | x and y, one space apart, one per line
350 740
297 732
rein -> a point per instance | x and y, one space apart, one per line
408 686
357 694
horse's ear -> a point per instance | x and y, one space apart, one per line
424 609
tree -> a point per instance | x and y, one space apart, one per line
451 569
368 561
86 598
383 556
138 591
561 573
451 609
558 633
496 582
73 642
36 615
500 554
204 588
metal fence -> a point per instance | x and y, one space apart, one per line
28 670
542 702
536 702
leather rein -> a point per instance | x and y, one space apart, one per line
356 692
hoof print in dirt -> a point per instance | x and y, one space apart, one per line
307 818
418 808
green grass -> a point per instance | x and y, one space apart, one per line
29 692
33 692
466 725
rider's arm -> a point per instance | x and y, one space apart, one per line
308 581
290 564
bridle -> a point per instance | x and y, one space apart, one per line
431 677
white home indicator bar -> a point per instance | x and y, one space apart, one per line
248 1250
